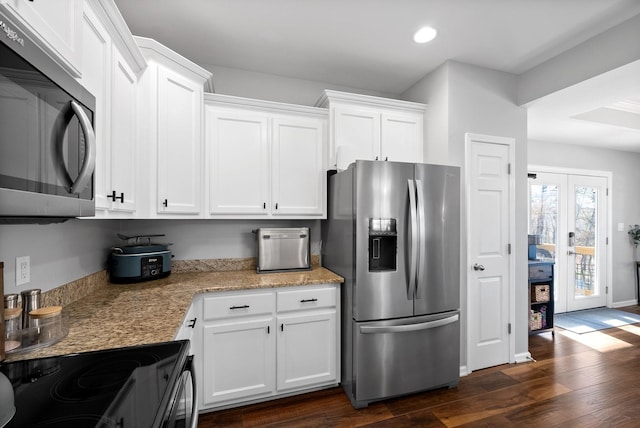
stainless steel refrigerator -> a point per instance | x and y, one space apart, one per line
393 232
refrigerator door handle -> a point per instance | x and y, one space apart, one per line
413 260
422 237
369 329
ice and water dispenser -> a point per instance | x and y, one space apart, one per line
383 244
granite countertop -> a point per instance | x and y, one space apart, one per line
118 315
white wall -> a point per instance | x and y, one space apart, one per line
623 192
480 101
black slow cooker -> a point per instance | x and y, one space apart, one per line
139 260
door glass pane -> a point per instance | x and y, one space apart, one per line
585 241
543 218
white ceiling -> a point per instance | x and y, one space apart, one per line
367 44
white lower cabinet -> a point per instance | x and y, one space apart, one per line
306 349
262 344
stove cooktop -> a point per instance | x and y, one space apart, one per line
124 387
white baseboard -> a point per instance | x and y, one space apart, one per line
624 303
464 371
523 357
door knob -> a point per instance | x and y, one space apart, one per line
478 267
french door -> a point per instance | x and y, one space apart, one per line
569 213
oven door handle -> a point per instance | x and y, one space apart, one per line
194 398
89 159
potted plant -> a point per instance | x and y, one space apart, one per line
634 232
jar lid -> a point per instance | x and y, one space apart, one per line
46 312
11 313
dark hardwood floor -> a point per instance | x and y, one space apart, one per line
588 380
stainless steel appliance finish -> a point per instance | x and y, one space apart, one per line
47 142
283 249
393 232
30 302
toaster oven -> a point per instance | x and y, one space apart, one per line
283 249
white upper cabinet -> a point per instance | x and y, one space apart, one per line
171 114
238 145
298 166
55 25
179 174
123 156
373 128
265 159
96 64
111 76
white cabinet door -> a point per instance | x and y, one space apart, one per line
306 349
238 359
57 27
238 144
298 166
356 134
401 138
96 77
179 124
123 135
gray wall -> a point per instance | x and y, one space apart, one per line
480 101
623 191
59 253
270 87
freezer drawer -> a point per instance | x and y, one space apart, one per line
399 357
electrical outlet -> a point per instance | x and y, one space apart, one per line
23 270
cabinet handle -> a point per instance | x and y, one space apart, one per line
308 300
239 307
264 205
165 203
268 330
376 157
276 205
281 327
386 158
114 198
192 323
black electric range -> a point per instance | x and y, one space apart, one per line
124 387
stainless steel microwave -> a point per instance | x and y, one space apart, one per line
47 142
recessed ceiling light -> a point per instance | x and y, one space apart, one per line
424 35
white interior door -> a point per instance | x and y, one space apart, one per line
569 212
489 220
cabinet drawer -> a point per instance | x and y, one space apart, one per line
306 299
540 271
238 305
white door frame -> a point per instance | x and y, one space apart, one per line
609 248
470 138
